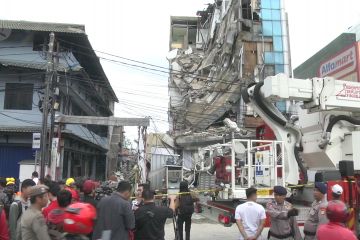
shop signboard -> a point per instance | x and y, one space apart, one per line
343 65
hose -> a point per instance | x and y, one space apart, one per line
301 166
263 107
283 123
332 124
351 192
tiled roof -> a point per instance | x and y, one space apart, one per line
36 65
19 129
43 26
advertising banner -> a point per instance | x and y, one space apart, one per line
344 65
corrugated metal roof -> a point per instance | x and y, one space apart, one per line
43 26
37 65
19 129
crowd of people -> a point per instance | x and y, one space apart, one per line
44 209
325 220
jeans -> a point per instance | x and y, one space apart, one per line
180 222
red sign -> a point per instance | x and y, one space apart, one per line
349 91
344 65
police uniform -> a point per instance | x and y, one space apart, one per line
317 215
32 222
282 226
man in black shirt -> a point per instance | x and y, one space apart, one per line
150 219
89 192
138 202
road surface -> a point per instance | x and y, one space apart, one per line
204 229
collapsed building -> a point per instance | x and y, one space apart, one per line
229 45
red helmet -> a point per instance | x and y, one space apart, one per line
337 211
79 218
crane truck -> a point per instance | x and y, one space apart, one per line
319 144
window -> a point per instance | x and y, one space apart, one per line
271 28
18 96
270 4
278 46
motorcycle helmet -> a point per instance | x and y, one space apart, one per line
79 218
337 211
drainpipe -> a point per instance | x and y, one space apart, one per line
285 42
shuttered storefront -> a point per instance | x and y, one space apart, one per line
10 156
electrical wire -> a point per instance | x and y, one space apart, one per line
176 71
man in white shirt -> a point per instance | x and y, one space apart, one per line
250 217
35 177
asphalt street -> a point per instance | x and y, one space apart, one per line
202 229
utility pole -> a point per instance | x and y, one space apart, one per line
52 102
49 75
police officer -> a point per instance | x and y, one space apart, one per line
337 213
282 216
32 222
316 216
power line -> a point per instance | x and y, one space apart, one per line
179 72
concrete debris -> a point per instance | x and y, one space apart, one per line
172 54
209 75
189 51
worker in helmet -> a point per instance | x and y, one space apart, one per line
336 212
78 221
70 184
283 217
316 216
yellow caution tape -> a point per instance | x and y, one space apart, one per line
214 190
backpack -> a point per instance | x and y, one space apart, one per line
186 204
54 234
55 230
6 199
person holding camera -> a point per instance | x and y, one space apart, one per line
138 202
150 219
89 192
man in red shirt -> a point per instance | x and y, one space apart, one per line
54 189
55 218
337 213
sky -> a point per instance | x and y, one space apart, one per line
139 30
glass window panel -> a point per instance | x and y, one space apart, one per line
279 58
269 58
266 4
281 106
266 14
275 4
267 28
278 47
276 28
279 69
275 15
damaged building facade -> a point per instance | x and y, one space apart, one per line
229 45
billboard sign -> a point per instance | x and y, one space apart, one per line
344 65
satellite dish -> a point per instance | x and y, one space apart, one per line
4 33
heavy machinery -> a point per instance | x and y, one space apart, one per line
318 144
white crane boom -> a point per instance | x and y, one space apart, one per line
328 120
